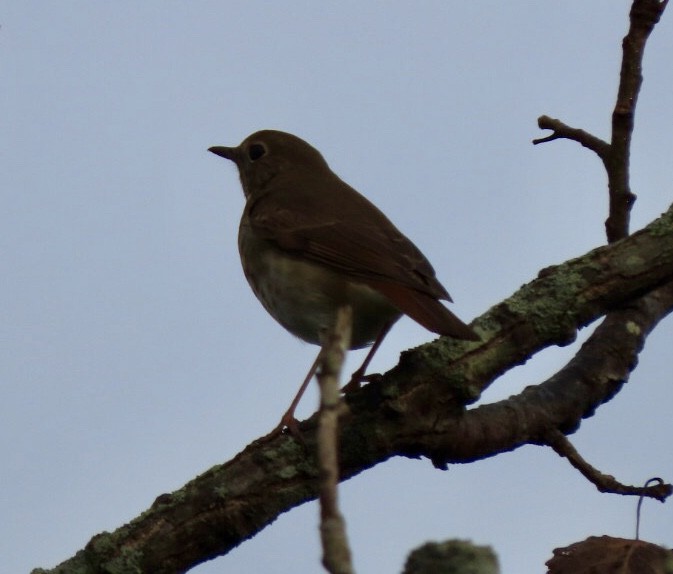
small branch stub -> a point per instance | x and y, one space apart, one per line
563 131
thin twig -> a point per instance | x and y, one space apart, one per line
336 553
561 130
603 482
644 16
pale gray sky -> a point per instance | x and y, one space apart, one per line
134 355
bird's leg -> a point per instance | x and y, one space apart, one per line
287 420
358 376
290 422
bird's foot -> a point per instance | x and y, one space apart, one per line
286 422
357 379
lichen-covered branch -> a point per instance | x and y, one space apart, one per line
418 408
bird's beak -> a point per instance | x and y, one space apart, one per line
226 152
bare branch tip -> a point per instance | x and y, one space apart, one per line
551 137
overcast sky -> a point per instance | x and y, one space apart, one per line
134 356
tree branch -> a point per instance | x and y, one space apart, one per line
592 377
563 131
603 482
417 409
644 15
336 552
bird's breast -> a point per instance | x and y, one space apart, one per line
304 296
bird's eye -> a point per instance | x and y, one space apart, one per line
255 151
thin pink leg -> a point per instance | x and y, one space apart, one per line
359 375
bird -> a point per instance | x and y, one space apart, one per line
309 244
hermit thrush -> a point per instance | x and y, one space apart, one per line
309 244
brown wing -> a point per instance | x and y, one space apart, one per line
340 228
328 222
